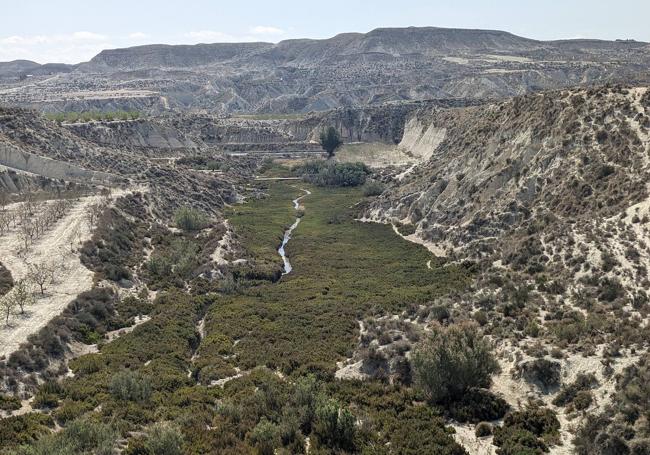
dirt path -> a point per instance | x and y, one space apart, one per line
54 247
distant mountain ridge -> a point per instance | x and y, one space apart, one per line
396 42
347 70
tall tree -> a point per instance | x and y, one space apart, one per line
22 295
40 274
7 305
330 140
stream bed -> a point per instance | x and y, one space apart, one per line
287 235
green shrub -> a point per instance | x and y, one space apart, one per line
373 188
417 430
583 400
569 392
452 361
189 219
130 386
79 437
527 432
476 405
543 372
323 173
9 403
164 439
6 280
23 429
406 229
265 437
334 425
483 429
45 401
70 410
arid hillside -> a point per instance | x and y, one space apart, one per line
546 196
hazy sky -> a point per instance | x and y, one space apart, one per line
72 31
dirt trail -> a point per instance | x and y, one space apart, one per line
54 247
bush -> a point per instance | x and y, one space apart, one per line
164 439
545 373
483 429
130 386
23 429
265 437
452 361
334 425
373 188
406 229
70 410
6 281
583 400
8 403
477 405
323 173
568 393
79 437
527 432
189 219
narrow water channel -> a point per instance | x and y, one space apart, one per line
287 234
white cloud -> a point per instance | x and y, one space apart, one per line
266 30
88 36
138 36
210 36
58 48
81 46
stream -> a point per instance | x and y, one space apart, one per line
287 234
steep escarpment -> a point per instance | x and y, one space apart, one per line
571 154
185 133
70 157
545 197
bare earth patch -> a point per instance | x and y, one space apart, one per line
58 246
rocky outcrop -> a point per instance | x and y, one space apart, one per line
15 158
132 133
493 169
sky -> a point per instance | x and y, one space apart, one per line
67 31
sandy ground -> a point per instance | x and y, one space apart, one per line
434 248
517 391
54 247
374 154
223 247
466 437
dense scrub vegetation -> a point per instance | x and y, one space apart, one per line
85 320
529 431
164 371
116 245
90 116
6 280
452 361
189 219
621 428
329 173
381 274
